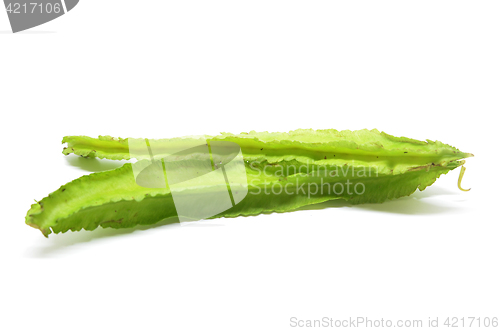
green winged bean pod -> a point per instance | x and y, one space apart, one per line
285 171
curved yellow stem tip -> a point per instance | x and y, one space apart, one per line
462 171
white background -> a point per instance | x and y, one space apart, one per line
421 69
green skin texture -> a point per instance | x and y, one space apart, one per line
300 161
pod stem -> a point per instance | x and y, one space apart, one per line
462 172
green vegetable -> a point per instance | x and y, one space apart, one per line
315 166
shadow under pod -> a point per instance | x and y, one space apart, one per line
93 164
